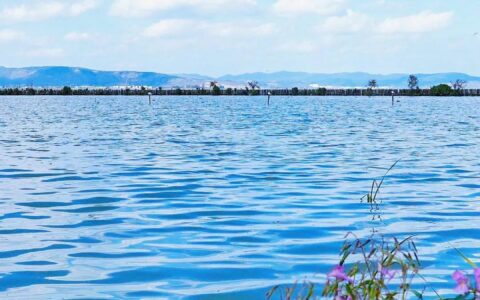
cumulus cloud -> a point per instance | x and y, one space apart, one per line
241 29
420 23
8 35
349 23
136 8
23 12
77 36
172 27
321 7
184 27
81 7
44 10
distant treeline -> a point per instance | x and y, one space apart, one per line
439 90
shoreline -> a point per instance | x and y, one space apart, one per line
67 91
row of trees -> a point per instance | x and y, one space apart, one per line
457 88
252 88
439 90
454 89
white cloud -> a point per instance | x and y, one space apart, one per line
44 10
77 36
172 27
39 11
8 35
349 23
240 29
136 8
321 7
420 23
184 27
81 7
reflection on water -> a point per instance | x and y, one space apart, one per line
194 197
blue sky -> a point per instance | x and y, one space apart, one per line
215 37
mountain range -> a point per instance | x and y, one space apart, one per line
83 77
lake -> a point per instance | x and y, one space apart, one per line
223 198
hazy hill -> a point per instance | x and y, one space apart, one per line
61 76
358 79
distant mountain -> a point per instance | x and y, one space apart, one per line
61 76
299 79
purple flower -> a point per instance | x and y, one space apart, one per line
389 274
339 273
476 274
343 298
462 282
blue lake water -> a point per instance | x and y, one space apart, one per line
223 198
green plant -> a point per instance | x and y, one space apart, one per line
254 92
371 277
441 90
216 91
375 267
372 84
67 91
305 292
380 268
321 91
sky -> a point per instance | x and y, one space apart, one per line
217 37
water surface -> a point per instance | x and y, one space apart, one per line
222 198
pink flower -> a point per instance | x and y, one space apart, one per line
389 274
462 282
476 274
339 274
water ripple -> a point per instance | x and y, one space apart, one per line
222 198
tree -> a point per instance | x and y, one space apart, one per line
253 88
458 87
413 82
30 91
216 91
441 90
213 84
372 84
229 91
321 91
254 92
178 91
459 84
253 85
66 91
295 91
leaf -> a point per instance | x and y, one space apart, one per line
272 292
418 294
467 260
310 292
